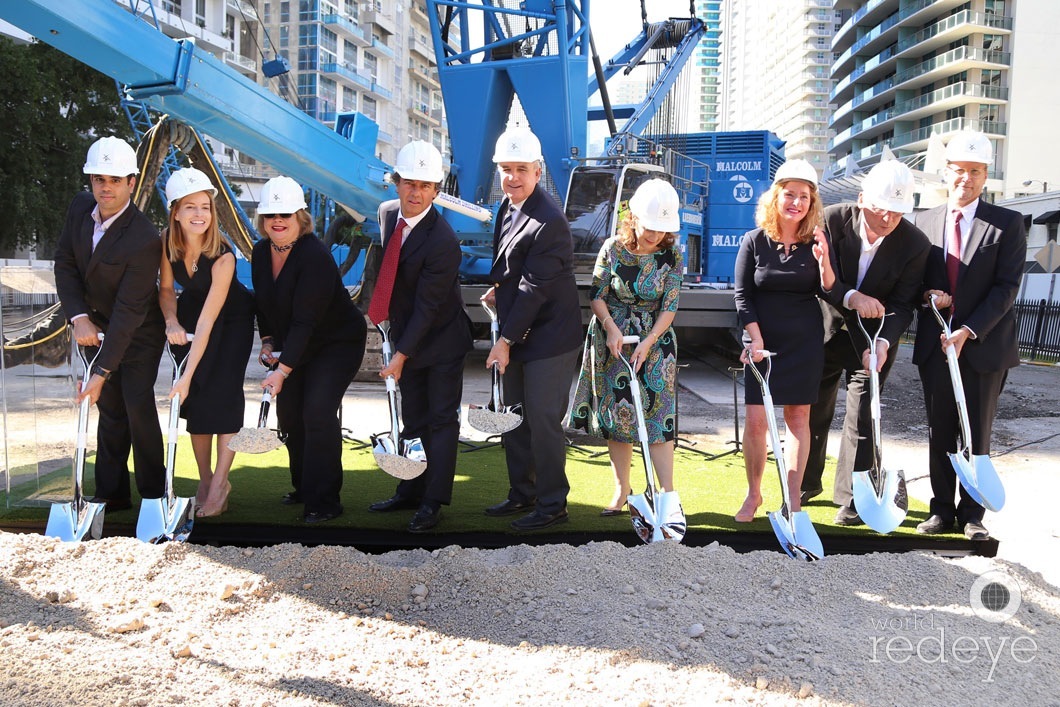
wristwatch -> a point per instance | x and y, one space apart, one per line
510 342
103 373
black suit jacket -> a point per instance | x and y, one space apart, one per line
533 273
428 320
987 284
306 307
116 285
894 277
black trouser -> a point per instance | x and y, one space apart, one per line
430 410
308 411
536 451
981 391
856 444
128 419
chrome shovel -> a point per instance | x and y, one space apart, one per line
73 521
879 495
402 459
656 516
794 530
495 417
975 471
170 517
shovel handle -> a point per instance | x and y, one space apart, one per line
266 402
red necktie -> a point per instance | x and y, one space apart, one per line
953 252
379 308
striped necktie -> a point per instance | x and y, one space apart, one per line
506 225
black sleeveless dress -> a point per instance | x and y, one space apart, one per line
215 402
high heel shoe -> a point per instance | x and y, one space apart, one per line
209 509
746 514
616 509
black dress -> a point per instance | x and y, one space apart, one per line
215 402
780 293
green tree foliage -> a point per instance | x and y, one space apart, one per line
54 107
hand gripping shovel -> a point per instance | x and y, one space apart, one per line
976 472
402 459
879 495
71 522
656 516
495 418
170 517
260 439
794 530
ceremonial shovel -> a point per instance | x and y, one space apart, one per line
402 459
260 439
72 521
495 417
170 517
656 516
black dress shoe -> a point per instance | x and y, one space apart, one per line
292 498
974 530
847 516
807 494
935 525
538 520
508 507
321 516
395 503
113 504
426 518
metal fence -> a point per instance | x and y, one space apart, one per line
1038 330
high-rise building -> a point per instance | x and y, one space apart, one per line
907 69
708 64
775 59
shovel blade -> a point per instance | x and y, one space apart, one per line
883 508
492 422
642 514
163 521
796 535
670 517
73 522
980 479
255 440
400 466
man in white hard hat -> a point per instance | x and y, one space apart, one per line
974 267
541 332
429 327
878 258
106 268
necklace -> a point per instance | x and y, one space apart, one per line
283 248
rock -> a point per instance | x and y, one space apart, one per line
695 630
227 592
761 683
134 625
732 631
805 690
420 591
775 584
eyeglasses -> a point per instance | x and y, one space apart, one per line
285 216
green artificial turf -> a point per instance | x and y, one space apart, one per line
711 492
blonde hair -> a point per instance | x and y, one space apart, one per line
305 223
767 215
627 234
176 243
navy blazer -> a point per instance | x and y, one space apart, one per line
428 319
987 284
116 284
533 273
894 277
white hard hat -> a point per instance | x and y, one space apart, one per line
111 156
281 195
890 186
656 205
187 181
796 169
420 161
517 145
970 146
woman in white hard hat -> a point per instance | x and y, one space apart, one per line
219 311
635 288
312 337
778 277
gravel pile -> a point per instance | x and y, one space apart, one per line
116 622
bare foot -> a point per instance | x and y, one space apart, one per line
747 511
217 503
